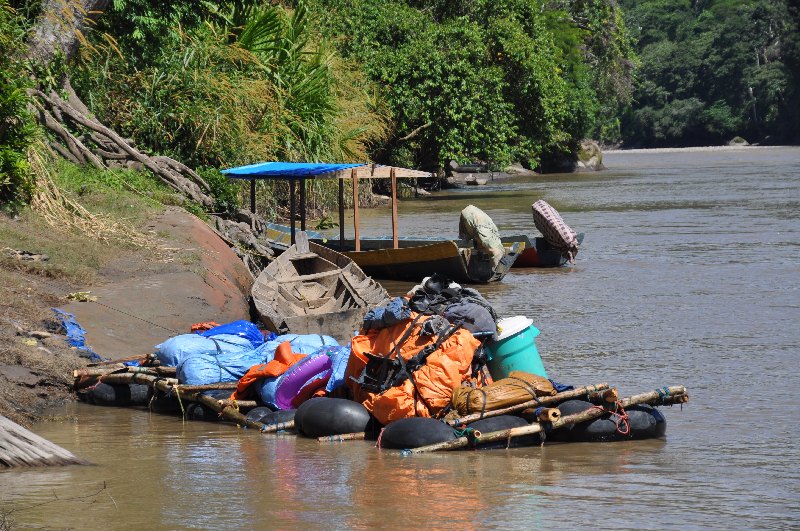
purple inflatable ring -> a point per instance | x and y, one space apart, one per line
299 375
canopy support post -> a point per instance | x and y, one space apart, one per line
356 236
303 204
253 196
292 207
393 176
341 214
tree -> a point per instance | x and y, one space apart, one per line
59 32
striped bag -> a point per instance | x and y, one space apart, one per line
555 231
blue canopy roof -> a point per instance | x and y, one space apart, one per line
285 170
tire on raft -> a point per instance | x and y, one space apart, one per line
265 415
196 411
258 413
646 422
504 422
165 404
321 416
104 394
414 432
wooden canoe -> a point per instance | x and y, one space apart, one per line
414 260
310 289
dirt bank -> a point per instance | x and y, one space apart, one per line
140 298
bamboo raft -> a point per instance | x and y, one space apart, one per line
20 447
547 418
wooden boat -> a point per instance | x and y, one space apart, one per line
538 252
310 289
415 259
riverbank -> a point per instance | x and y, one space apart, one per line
697 149
127 298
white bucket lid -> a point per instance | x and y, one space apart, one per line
513 325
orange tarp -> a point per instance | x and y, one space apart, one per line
446 368
284 358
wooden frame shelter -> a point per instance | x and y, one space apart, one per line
295 172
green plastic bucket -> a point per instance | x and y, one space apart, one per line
515 348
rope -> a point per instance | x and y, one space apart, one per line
380 436
663 394
180 402
623 422
469 433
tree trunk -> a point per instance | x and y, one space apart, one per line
77 136
62 26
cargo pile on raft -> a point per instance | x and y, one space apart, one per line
436 369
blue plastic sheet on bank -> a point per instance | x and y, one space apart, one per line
76 335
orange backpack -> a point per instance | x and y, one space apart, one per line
431 387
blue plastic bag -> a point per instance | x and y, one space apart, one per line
339 356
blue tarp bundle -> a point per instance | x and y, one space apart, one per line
213 367
225 357
240 328
176 349
76 335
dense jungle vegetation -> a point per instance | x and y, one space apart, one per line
180 89
714 69
184 88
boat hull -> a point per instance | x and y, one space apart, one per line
417 259
315 290
538 253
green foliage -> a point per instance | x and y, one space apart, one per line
17 128
224 191
221 94
120 194
493 80
713 70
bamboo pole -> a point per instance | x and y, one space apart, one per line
356 228
241 404
120 368
278 426
114 362
253 196
542 401
549 414
341 215
393 175
98 371
303 204
356 436
292 223
656 396
221 386
227 409
609 396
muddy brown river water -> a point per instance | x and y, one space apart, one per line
689 274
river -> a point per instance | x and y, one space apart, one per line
689 275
